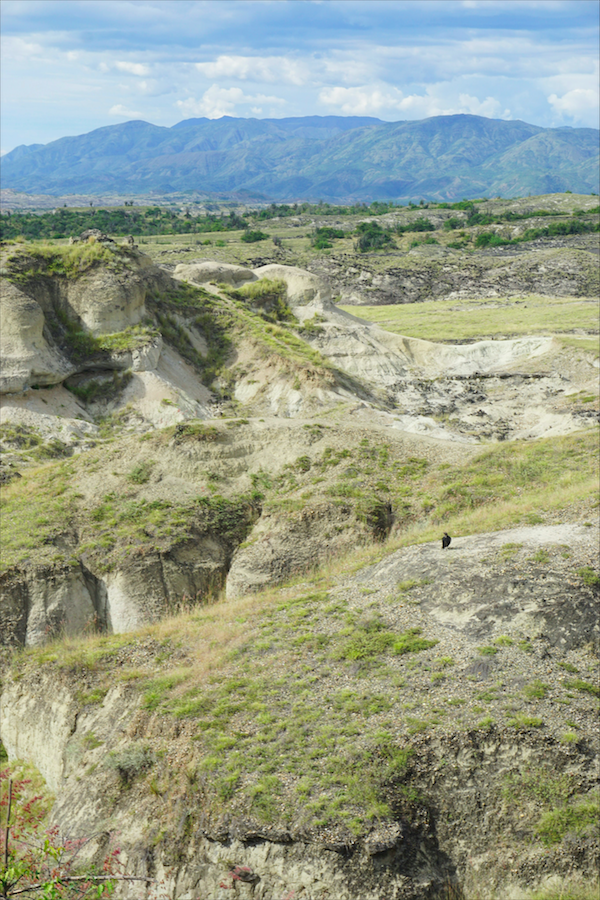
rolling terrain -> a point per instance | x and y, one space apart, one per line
229 631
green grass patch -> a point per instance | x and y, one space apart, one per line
568 890
521 720
37 508
589 576
585 687
541 556
537 690
554 825
479 319
70 261
488 651
412 642
539 786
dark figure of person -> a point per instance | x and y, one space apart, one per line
446 540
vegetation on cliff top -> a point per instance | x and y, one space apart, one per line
501 486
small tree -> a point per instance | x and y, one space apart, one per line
252 237
36 862
371 236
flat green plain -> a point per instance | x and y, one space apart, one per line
574 319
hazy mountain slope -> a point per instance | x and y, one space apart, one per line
333 158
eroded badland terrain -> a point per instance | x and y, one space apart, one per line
231 636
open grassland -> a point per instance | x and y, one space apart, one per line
477 319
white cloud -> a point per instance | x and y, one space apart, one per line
366 101
528 59
218 101
16 48
575 103
488 107
269 69
120 110
351 67
132 68
361 101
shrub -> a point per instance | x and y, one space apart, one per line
371 236
322 237
303 463
37 862
252 237
270 295
105 389
130 762
490 239
417 225
140 474
428 240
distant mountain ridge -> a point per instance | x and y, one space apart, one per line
334 158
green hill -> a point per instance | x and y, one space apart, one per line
333 158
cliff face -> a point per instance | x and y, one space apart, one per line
465 809
39 602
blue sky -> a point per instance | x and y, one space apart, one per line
69 66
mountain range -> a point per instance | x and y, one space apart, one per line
333 158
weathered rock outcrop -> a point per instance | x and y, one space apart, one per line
283 546
482 585
206 271
103 300
432 273
302 286
41 603
26 357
